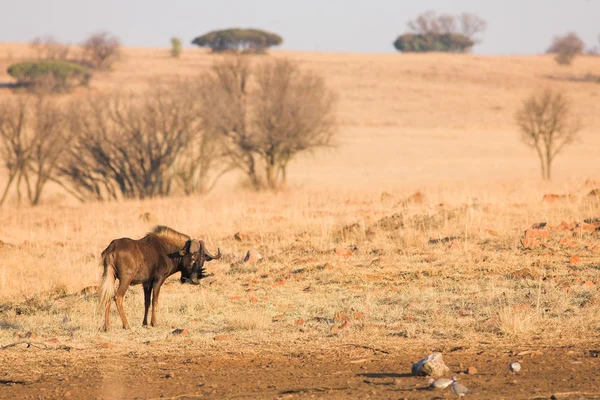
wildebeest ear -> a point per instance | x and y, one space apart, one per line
194 246
182 252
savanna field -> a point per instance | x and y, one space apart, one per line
421 230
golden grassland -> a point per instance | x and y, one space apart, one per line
441 124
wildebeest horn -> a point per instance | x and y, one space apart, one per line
210 256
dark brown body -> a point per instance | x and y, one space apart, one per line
149 261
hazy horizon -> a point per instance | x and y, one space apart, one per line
514 27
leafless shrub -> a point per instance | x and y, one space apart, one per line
293 113
126 146
471 25
101 50
48 48
429 23
266 115
547 125
33 140
566 47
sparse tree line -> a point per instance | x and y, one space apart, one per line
178 136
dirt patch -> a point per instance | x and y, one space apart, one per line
335 371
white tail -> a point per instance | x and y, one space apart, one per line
107 287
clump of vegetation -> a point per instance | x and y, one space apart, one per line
100 51
238 40
50 75
444 33
176 47
547 125
566 48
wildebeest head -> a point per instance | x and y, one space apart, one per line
194 255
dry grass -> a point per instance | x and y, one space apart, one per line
442 124
395 284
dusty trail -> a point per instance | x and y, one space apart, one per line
342 372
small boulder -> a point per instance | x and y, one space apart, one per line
340 251
471 371
252 256
574 260
432 365
589 285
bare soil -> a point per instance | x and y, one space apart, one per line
338 371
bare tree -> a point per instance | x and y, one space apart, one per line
471 25
547 125
126 146
266 115
33 139
566 48
101 50
426 23
293 113
223 96
48 48
429 23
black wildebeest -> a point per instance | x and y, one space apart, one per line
149 261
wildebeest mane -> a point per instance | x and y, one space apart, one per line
172 239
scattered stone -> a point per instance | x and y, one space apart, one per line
589 285
471 371
169 375
340 251
241 237
26 335
252 256
514 366
299 322
223 337
180 332
456 245
532 236
575 260
106 345
432 365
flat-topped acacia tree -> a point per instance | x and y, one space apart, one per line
238 40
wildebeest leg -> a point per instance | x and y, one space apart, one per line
123 285
147 294
155 291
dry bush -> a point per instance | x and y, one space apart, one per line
566 47
33 138
266 115
126 146
101 50
547 125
